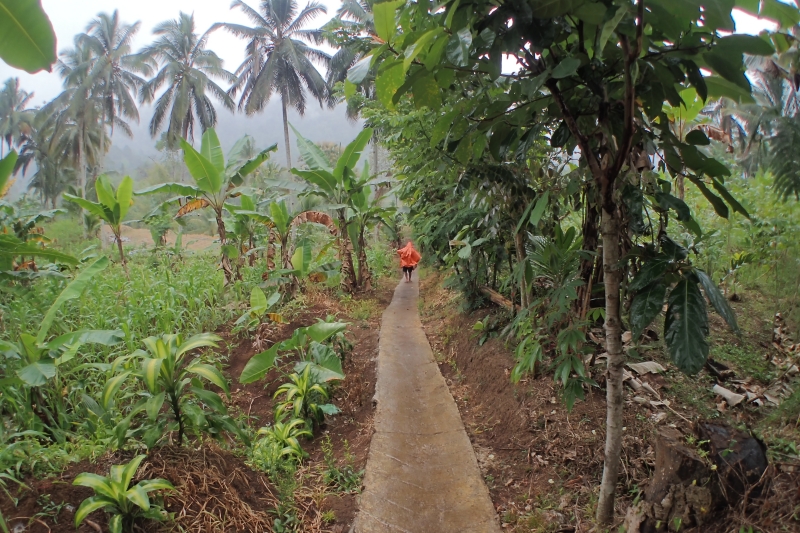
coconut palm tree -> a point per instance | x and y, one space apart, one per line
187 69
15 118
279 58
113 76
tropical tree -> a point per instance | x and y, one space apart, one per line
278 60
215 183
112 77
15 117
366 210
592 76
336 185
112 206
186 71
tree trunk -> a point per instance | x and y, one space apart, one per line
286 135
348 275
364 275
519 246
590 235
616 359
375 149
102 142
226 262
681 187
82 176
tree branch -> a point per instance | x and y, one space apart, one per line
572 124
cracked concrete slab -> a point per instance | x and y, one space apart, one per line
421 475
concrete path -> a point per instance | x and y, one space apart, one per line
421 476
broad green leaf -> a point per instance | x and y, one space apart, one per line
719 206
427 93
329 409
719 87
115 524
201 340
7 168
697 138
211 374
737 207
419 45
251 165
129 470
151 369
36 374
322 331
204 172
352 153
538 209
442 126
383 14
181 189
717 14
150 485
358 73
717 299
686 327
301 259
89 505
211 399
27 39
110 390
728 65
745 44
138 496
99 484
646 306
92 207
311 153
458 47
258 299
124 196
88 336
11 247
70 292
212 150
323 179
786 15
608 29
388 81
153 405
258 365
652 270
105 192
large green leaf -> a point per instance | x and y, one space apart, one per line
717 299
251 165
301 259
7 168
204 172
105 192
36 374
383 14
545 9
322 331
92 207
106 337
258 300
258 365
90 505
27 39
212 150
311 153
389 80
70 292
646 306
719 87
129 470
181 189
124 196
110 390
321 178
138 496
652 270
211 374
458 47
151 369
99 484
686 326
11 247
352 153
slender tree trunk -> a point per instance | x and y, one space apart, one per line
590 234
82 176
364 275
681 187
519 245
286 135
348 276
616 359
375 149
101 161
226 262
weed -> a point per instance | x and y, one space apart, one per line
329 517
343 476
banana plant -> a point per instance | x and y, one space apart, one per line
172 379
37 364
12 246
260 305
215 183
337 185
303 343
366 210
112 206
125 504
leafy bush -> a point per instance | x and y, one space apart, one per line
125 505
279 443
303 397
171 378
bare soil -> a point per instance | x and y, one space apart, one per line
543 463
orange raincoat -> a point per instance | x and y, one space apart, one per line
409 257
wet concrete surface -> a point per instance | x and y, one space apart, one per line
421 475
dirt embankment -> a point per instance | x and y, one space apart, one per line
542 463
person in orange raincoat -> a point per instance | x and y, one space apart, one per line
409 258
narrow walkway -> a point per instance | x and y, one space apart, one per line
422 476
